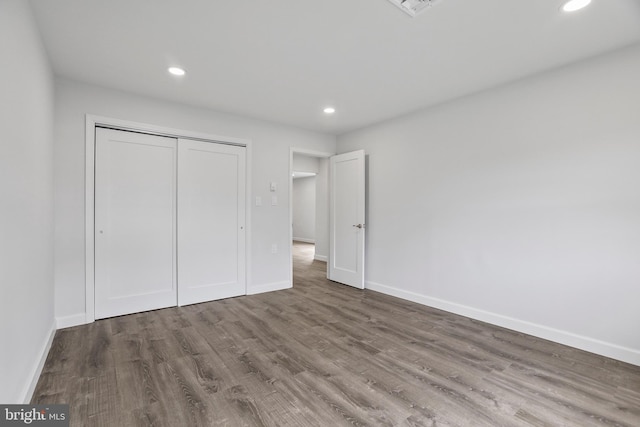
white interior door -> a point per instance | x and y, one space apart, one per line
347 226
135 217
211 215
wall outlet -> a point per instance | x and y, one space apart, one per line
274 248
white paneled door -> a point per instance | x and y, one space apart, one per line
347 219
135 222
211 229
169 222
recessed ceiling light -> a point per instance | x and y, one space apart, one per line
573 5
329 110
176 71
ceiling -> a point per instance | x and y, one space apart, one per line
285 60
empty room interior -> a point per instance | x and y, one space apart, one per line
292 213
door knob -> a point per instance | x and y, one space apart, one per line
359 225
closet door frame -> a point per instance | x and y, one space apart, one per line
93 121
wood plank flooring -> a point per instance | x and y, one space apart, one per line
324 354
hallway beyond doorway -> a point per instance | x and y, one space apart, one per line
305 267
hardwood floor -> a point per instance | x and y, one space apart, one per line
324 354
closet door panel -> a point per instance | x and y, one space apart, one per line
211 229
135 222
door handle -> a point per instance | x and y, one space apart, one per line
359 225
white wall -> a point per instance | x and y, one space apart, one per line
322 210
519 206
305 163
26 194
304 209
270 163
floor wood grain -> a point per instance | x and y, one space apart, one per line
324 354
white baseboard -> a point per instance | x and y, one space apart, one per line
269 287
304 240
323 258
30 387
69 321
581 342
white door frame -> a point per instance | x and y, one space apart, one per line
93 121
310 153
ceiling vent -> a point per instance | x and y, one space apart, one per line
414 7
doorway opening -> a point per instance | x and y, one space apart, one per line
309 210
340 212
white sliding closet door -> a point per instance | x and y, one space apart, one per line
211 215
135 222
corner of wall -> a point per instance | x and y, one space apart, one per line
30 386
70 321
